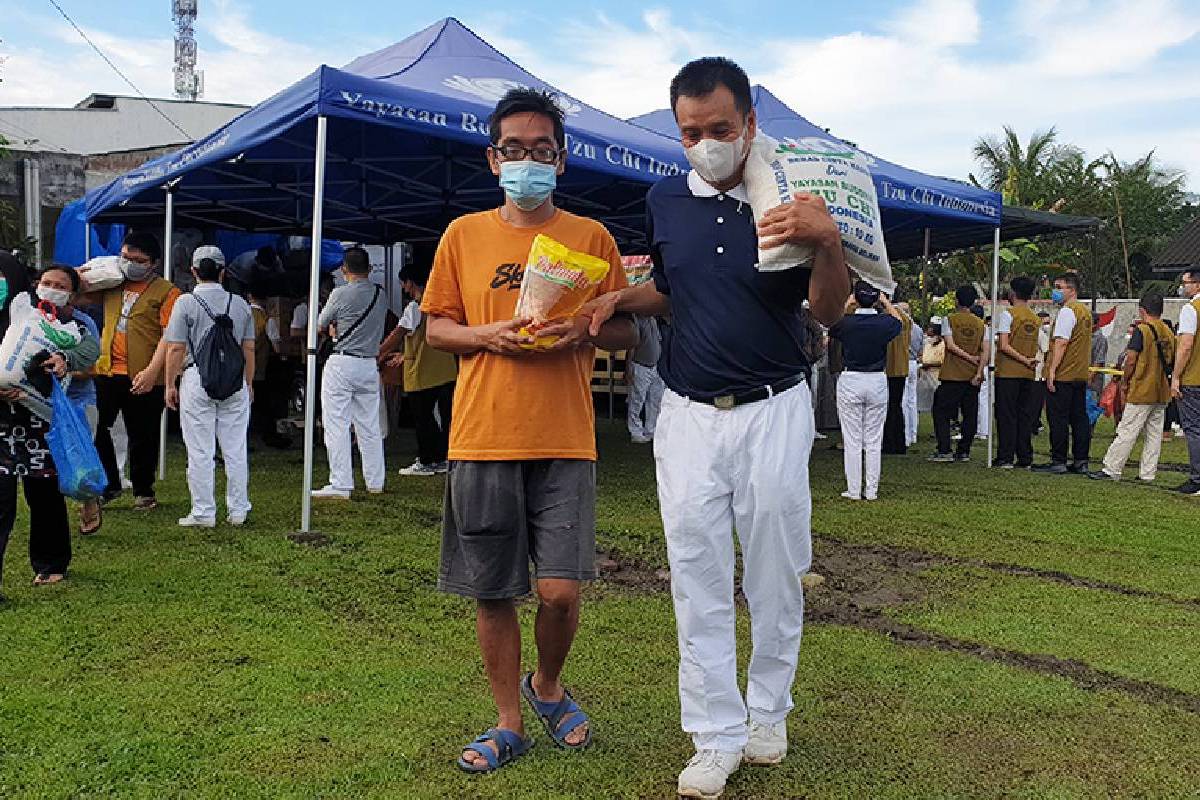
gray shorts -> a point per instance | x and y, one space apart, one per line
500 515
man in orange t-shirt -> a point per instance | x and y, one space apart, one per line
522 482
129 374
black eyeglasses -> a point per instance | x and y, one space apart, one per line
543 154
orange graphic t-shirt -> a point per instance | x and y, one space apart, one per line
515 408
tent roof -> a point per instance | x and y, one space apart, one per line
1016 223
1183 252
406 136
909 201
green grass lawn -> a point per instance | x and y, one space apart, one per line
235 663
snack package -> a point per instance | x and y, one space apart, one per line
102 272
31 331
556 284
838 173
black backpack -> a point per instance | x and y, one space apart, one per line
219 358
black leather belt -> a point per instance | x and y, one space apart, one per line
352 355
728 401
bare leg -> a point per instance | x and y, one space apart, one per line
499 636
557 621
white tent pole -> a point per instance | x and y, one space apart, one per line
168 252
991 376
87 241
314 285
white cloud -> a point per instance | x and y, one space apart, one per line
940 23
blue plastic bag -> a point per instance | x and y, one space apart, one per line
1094 410
80 473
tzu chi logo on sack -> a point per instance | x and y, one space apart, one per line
492 89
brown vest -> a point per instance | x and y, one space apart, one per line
1191 371
967 331
1077 359
143 327
897 352
1022 337
1148 385
424 366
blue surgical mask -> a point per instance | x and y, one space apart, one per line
1057 296
528 184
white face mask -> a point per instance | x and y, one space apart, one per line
56 297
715 161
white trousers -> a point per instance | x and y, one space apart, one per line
645 394
984 425
745 468
862 399
1146 421
911 417
206 423
350 396
120 438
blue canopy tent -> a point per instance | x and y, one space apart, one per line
389 148
75 241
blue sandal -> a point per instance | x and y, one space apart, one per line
509 747
554 713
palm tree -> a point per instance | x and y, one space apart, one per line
1013 168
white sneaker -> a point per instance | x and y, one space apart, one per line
819 435
705 775
236 520
641 439
126 484
442 467
376 490
419 469
767 744
196 522
849 496
330 493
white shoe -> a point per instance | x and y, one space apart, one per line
849 496
705 775
376 490
442 467
126 484
236 520
196 522
641 439
819 435
330 493
767 744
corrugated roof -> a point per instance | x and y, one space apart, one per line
1183 252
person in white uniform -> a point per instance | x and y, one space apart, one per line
355 314
862 392
207 422
916 345
736 428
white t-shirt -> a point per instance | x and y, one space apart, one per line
1004 321
947 331
300 317
1187 320
410 320
1064 324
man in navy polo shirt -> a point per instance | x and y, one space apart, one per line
736 425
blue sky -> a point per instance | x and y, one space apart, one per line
916 81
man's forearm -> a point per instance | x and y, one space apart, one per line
1131 359
829 284
1009 350
618 333
447 335
644 300
1057 351
248 352
1183 352
159 359
174 363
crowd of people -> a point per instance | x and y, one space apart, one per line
721 382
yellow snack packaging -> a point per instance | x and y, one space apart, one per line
556 284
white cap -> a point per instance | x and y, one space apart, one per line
208 251
935 320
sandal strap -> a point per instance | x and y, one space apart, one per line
504 741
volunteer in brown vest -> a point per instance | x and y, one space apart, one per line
894 437
1150 354
1016 359
270 403
1185 380
962 373
129 374
1067 381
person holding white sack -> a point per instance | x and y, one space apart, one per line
350 381
207 421
736 429
862 392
